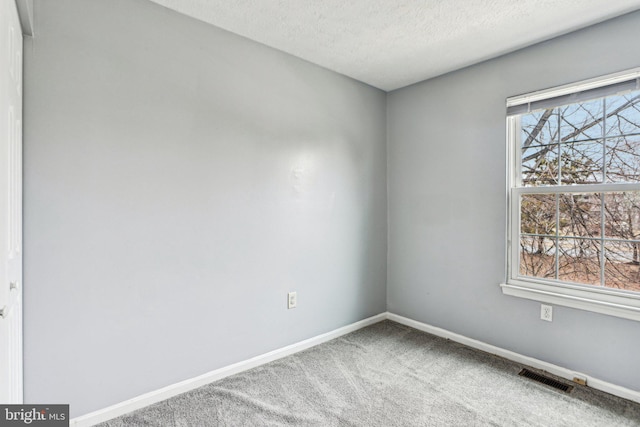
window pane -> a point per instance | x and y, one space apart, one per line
581 162
622 265
591 237
581 122
623 114
538 214
623 158
537 257
622 215
539 144
539 128
579 261
580 214
540 165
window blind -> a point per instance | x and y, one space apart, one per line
527 106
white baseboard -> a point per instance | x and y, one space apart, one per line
150 398
519 358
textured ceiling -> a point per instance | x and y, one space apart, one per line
393 43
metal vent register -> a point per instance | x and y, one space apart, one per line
545 380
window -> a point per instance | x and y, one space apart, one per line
574 195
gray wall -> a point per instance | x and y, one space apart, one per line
447 201
25 12
179 181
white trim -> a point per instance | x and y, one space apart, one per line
11 323
164 393
513 176
150 398
577 188
596 383
626 307
618 303
574 87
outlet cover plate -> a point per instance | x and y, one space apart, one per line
292 300
546 312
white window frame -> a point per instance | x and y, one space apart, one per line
619 303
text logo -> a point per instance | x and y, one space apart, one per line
34 415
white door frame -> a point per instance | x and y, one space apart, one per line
11 369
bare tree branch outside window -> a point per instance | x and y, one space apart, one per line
589 238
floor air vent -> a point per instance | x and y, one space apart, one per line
546 380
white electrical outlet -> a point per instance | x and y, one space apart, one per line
546 312
292 300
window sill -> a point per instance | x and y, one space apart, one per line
599 300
